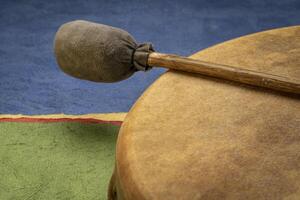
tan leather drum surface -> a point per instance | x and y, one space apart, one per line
193 137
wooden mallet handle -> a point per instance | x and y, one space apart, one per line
240 75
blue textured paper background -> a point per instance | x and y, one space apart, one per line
31 83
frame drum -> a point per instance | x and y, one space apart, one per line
194 137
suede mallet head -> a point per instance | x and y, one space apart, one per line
102 53
98 52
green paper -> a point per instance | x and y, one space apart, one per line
63 160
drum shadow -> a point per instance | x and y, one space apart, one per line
85 135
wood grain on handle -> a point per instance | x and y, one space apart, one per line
250 77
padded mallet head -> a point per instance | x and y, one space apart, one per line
102 53
97 52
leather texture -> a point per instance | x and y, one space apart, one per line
193 137
98 52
